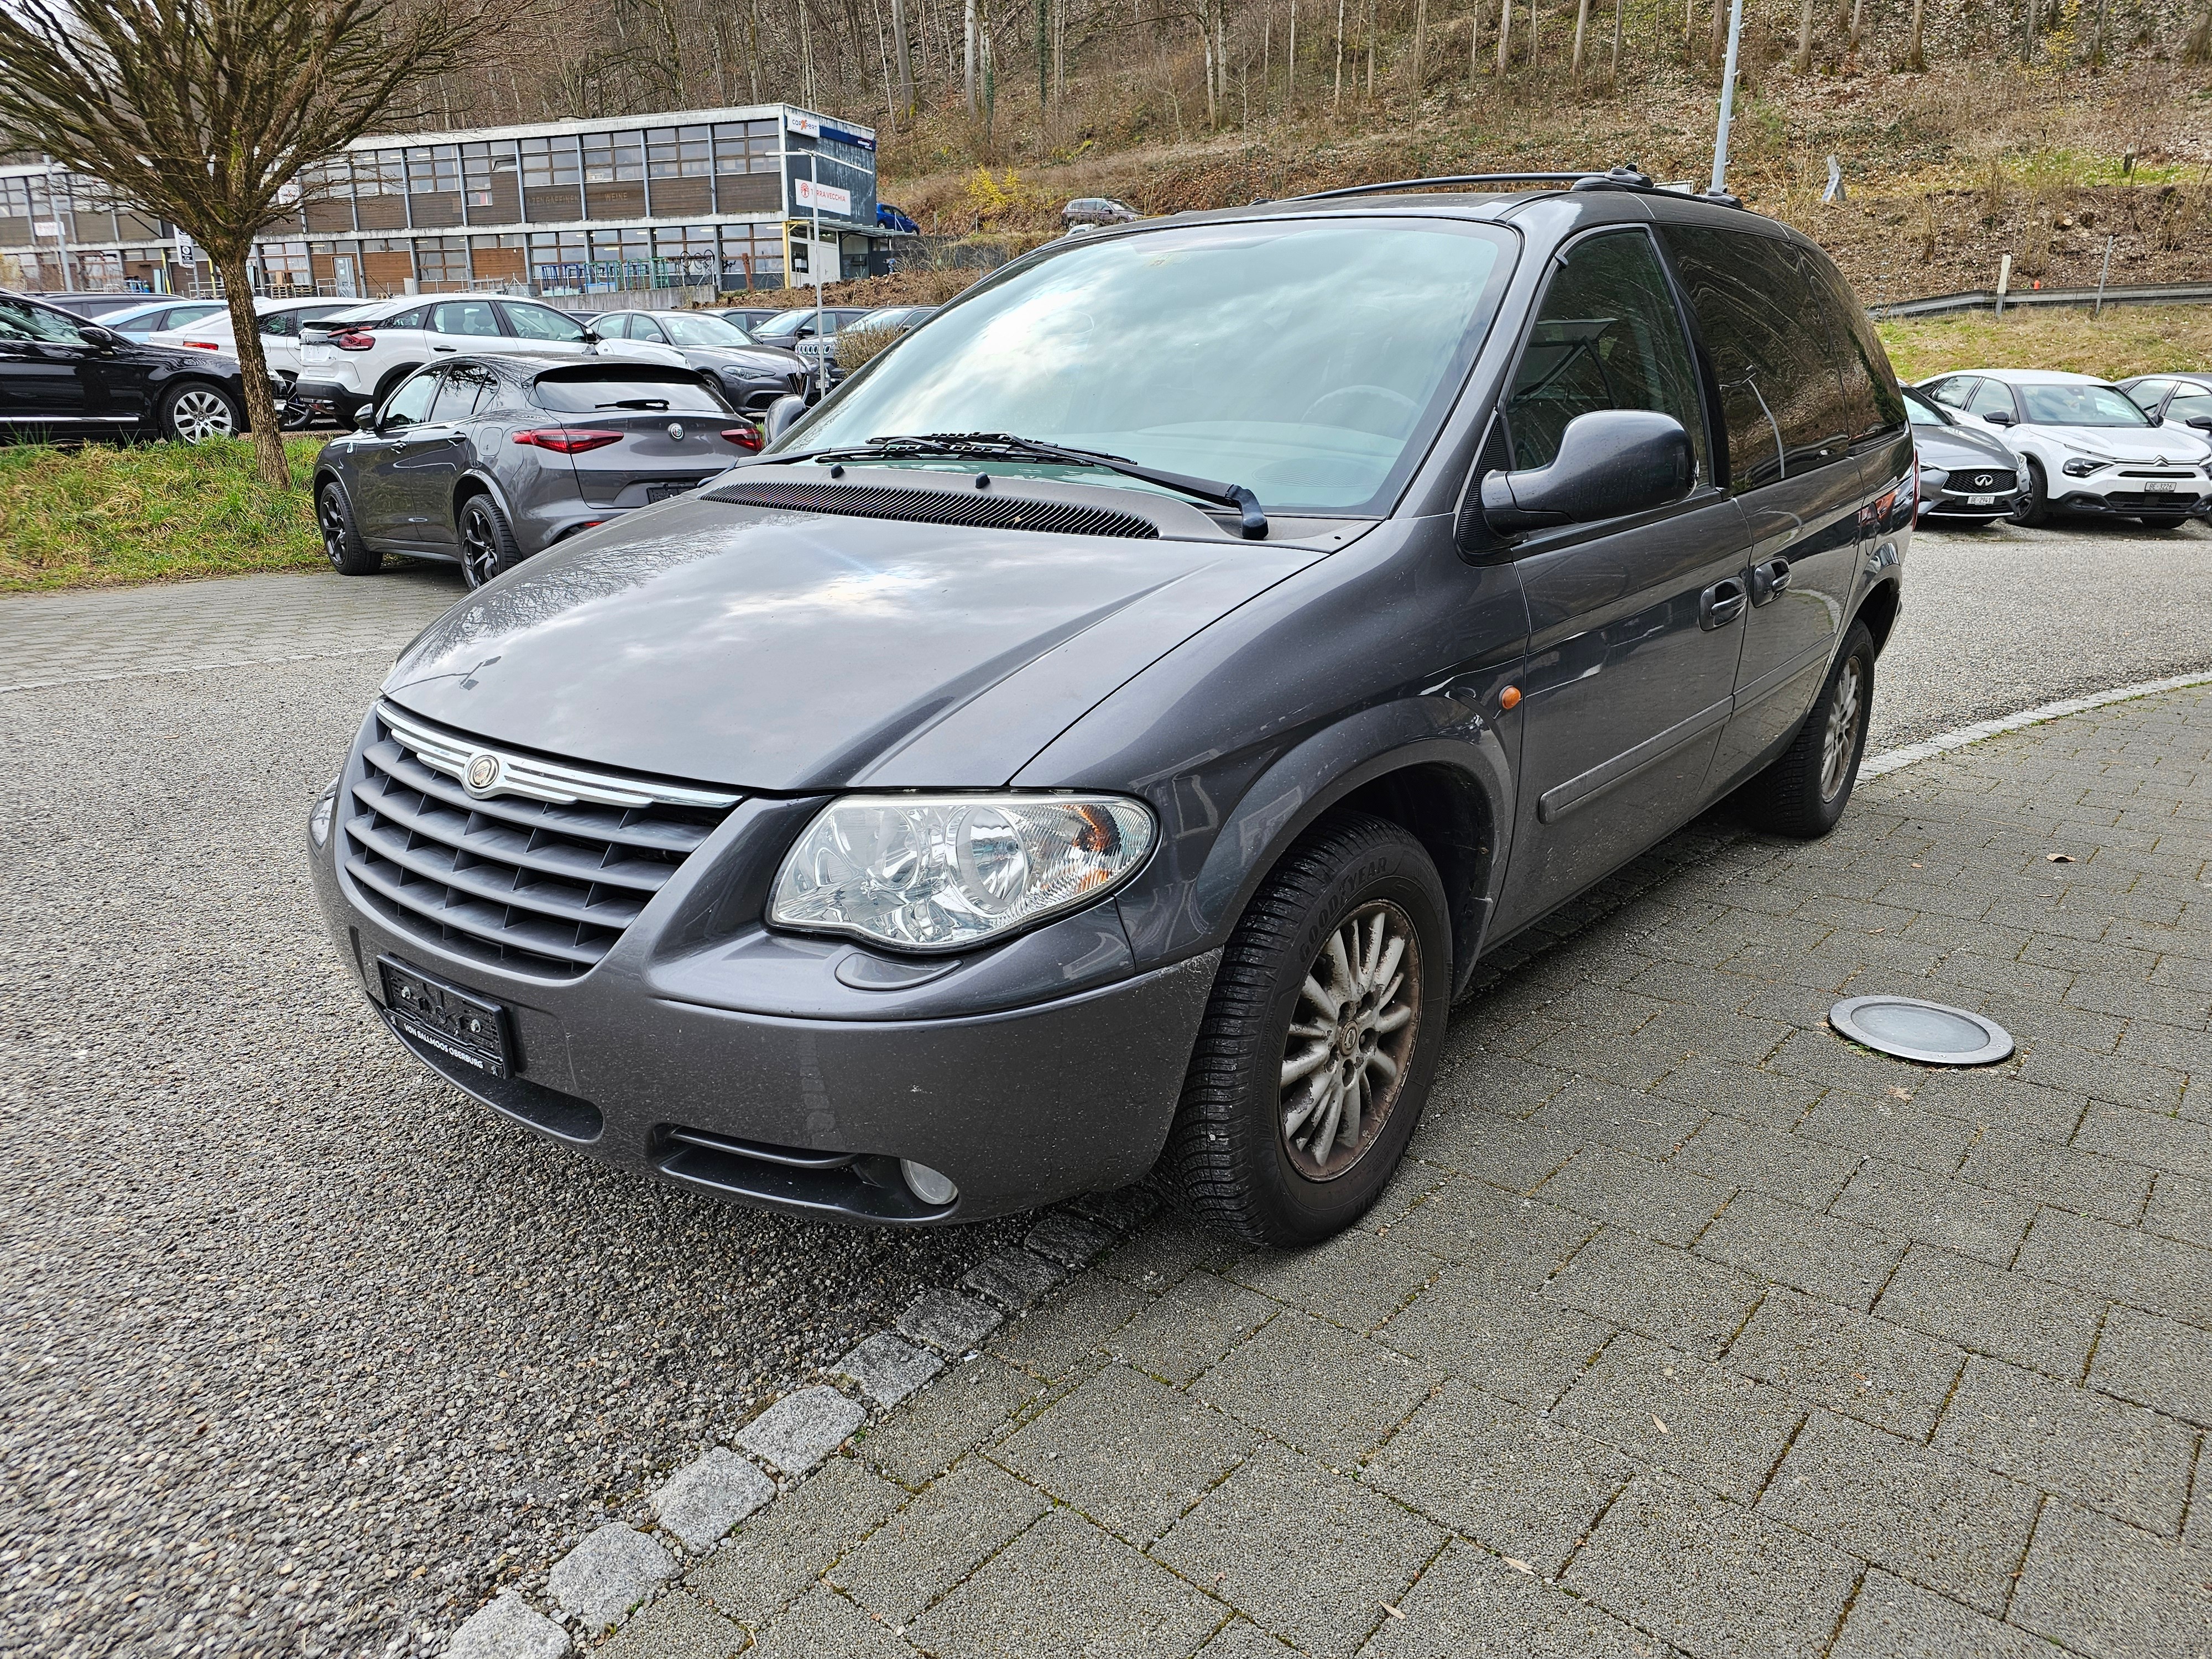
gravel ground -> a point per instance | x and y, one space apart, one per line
304 1351
2004 619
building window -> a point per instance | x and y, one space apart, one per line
612 156
381 172
547 161
748 147
441 264
430 171
679 153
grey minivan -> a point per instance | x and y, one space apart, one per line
1103 737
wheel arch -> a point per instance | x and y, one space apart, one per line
1453 794
1879 610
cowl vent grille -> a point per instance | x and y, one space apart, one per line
977 508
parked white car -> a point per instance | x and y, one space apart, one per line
2084 445
280 321
354 359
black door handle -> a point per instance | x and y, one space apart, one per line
1721 604
1769 579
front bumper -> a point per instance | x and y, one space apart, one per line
809 1111
2124 501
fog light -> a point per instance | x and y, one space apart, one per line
319 817
926 1184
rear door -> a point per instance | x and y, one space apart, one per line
545 329
405 484
1635 624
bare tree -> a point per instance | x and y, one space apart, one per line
207 112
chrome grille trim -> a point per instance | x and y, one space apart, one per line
538 780
545 886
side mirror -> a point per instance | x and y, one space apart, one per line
1611 462
593 336
100 337
782 414
2202 423
364 418
1998 419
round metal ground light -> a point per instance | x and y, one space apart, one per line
1927 1032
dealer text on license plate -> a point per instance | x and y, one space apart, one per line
470 1028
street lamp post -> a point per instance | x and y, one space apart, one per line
1728 99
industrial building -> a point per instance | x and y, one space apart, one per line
718 196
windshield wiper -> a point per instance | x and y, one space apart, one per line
634 403
989 446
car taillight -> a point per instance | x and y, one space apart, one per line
203 345
745 437
568 439
353 339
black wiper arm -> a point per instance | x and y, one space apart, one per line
987 445
634 403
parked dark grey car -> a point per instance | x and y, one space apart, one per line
1107 734
1966 476
489 460
751 376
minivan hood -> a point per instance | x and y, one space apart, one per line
790 651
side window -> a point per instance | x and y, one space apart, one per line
1780 395
2188 406
1871 397
470 317
642 327
463 390
544 323
1607 336
1991 398
410 404
23 322
2146 393
408 319
1952 393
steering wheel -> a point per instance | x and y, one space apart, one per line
1383 392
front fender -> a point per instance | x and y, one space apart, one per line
1436 762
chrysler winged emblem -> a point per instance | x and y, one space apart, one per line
482 773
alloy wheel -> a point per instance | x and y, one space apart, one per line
199 415
1351 1040
1842 739
329 517
479 553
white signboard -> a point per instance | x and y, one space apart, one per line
46 228
828 197
806 126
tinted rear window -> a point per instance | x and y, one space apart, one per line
594 391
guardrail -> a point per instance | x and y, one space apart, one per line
1983 298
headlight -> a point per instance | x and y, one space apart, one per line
1933 478
941 872
2083 466
320 815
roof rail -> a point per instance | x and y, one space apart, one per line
1625 177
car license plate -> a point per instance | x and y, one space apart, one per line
661 492
1981 501
2159 486
451 1020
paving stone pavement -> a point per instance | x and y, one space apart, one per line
1687 1329
50 638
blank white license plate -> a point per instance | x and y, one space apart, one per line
2159 486
1981 501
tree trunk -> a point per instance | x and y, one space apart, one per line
1206 51
1420 45
904 53
1221 48
1582 25
2034 27
1858 23
1043 58
1336 98
252 367
1475 42
1804 37
1716 42
968 72
1504 34
2097 36
1291 72
1913 57
1614 73
1370 48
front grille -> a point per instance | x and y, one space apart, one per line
1982 482
540 872
983 510
2156 472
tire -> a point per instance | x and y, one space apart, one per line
488 547
295 415
2034 505
1269 1164
2162 520
1804 793
197 411
349 555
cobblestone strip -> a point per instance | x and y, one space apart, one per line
1943 743
1685 1329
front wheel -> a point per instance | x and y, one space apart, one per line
342 546
2033 507
1319 1040
1804 793
196 412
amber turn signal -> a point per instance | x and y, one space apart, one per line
1509 697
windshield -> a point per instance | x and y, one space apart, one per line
1307 359
1921 413
2080 405
701 331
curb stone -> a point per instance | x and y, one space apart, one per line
508 1629
614 1570
704 1499
801 1428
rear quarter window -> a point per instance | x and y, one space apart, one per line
598 392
